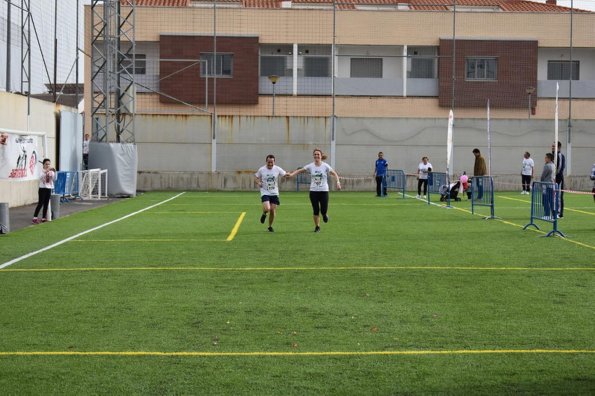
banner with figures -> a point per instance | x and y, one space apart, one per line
19 156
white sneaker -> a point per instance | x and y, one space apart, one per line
424 197
417 196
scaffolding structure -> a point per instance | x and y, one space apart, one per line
25 48
113 63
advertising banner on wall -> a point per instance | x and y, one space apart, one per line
19 156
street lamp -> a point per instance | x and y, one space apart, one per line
529 91
274 79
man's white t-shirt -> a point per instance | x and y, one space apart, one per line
423 170
528 166
318 176
270 179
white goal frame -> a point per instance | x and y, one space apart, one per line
93 184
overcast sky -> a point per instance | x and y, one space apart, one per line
582 4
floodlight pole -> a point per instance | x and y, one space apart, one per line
214 113
8 40
569 137
334 108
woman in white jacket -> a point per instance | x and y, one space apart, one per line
46 185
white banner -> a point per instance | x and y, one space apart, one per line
19 156
449 144
489 142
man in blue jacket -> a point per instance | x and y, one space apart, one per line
380 168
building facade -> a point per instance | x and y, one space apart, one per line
376 60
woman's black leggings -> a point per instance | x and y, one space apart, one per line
420 183
526 179
44 200
319 200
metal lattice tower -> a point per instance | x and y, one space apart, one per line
25 47
112 70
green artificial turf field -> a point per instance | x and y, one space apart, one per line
189 294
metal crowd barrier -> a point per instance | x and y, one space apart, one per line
544 206
397 180
482 193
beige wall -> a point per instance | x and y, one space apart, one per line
13 115
398 107
365 27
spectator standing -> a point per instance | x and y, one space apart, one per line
479 169
46 185
423 169
380 168
560 178
548 176
86 151
527 172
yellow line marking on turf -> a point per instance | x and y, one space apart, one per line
520 226
299 354
148 240
185 213
280 269
579 211
236 227
566 208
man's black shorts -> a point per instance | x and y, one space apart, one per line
274 199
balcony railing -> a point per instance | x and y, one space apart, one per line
581 89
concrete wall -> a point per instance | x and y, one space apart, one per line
175 151
13 115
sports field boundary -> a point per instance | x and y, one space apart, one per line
302 354
63 241
295 269
509 222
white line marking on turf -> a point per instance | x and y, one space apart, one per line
424 200
63 241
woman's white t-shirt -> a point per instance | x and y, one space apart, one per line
423 170
269 179
318 176
46 179
528 166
